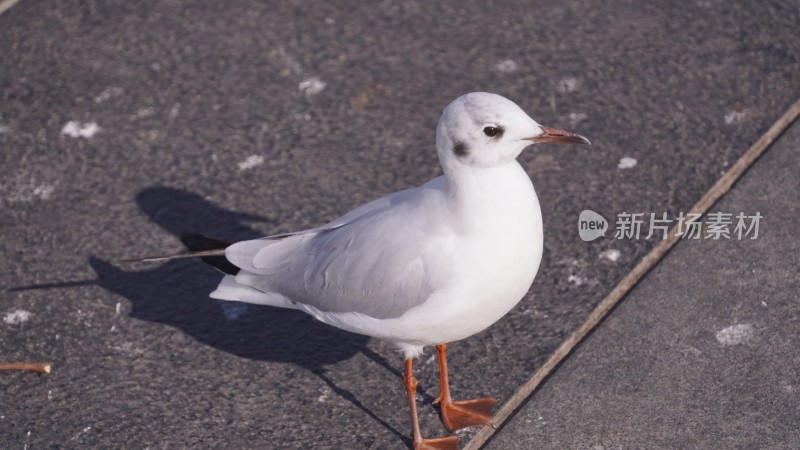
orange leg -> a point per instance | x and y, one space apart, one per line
445 443
463 414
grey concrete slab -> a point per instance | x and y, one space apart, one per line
704 352
183 92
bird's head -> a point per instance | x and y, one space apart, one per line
487 130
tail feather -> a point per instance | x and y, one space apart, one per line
230 289
211 251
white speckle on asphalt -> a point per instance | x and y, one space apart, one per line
736 115
44 191
330 21
695 351
4 129
541 421
610 254
626 163
311 86
577 280
250 162
735 334
108 94
144 112
17 317
118 308
175 110
322 398
79 433
75 129
128 348
506 66
576 118
430 360
49 395
568 84
764 304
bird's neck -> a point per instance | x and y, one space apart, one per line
504 190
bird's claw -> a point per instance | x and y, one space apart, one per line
467 413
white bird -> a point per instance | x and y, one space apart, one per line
419 267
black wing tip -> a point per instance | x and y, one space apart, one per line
198 242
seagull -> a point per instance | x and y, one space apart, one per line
424 266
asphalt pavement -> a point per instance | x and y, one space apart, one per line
125 124
704 352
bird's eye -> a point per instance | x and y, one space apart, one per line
492 131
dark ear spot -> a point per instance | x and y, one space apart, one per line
460 149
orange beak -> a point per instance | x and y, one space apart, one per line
553 135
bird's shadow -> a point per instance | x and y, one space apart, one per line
175 293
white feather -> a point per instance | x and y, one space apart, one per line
422 266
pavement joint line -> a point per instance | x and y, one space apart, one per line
5 5
720 188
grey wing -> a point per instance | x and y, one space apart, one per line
364 210
370 261
265 255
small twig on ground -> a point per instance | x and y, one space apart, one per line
29 366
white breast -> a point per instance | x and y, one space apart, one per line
488 270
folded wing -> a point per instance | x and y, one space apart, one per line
339 268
